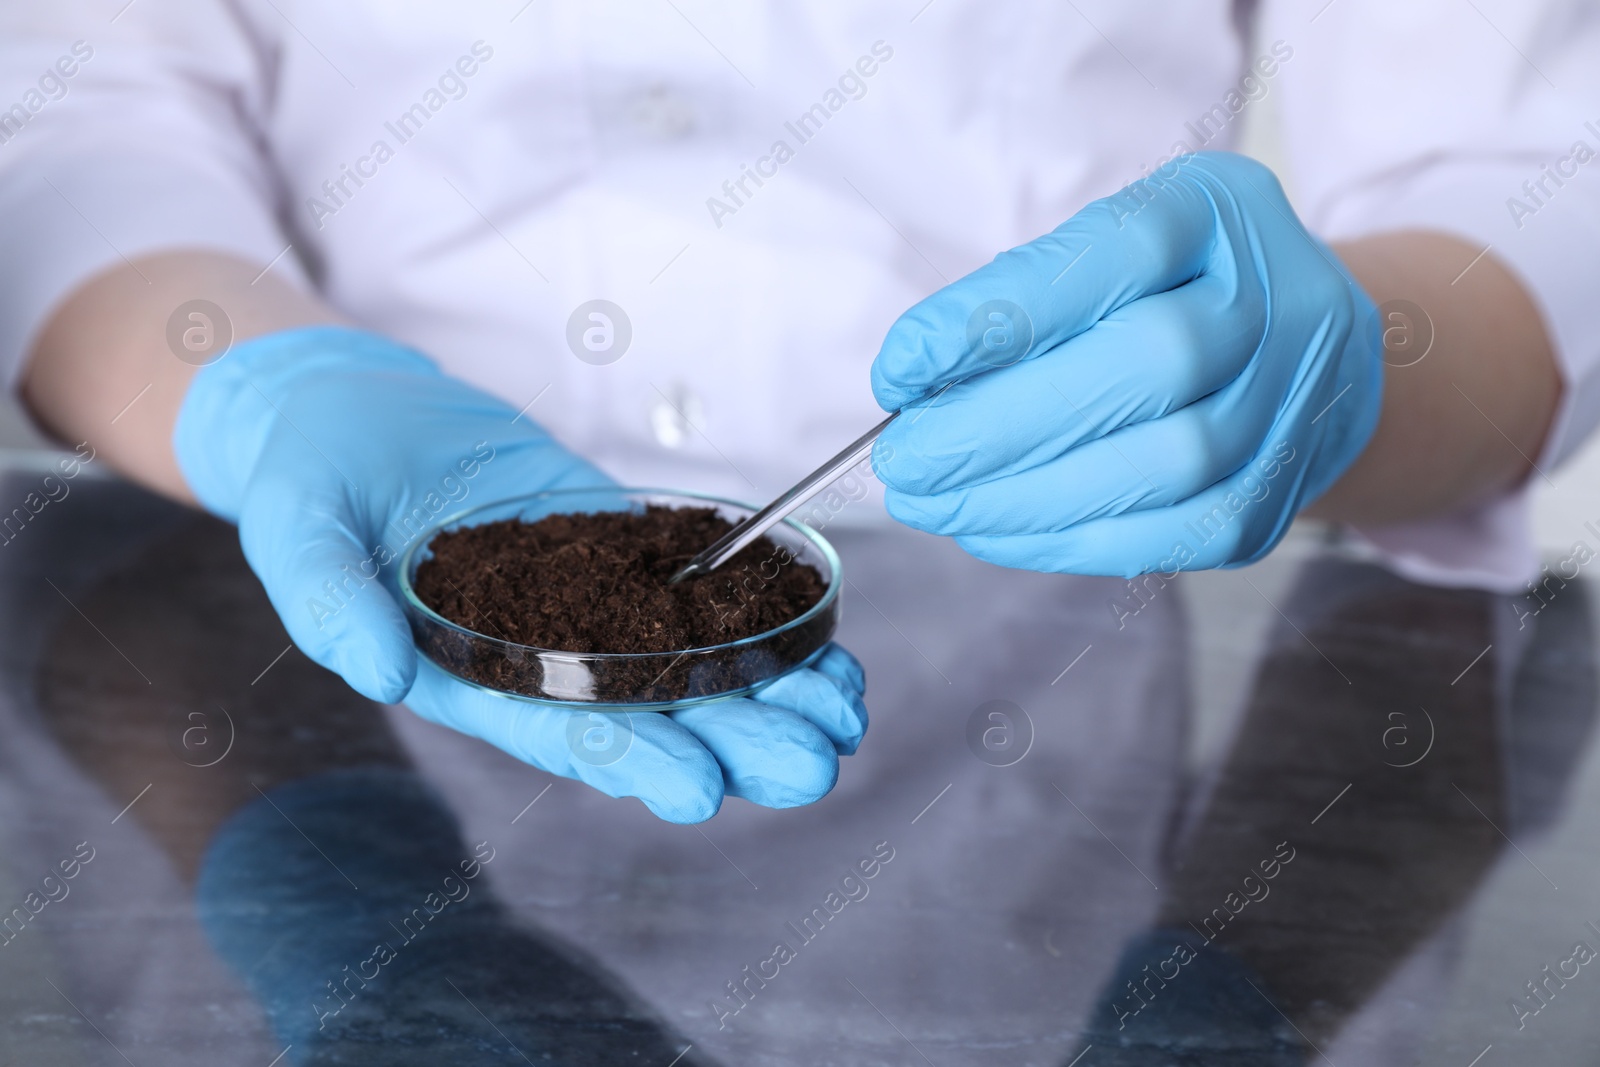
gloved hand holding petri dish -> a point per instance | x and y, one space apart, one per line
342 456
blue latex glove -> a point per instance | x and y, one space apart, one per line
326 443
1160 384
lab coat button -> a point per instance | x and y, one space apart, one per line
675 416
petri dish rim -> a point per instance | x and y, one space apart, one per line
626 495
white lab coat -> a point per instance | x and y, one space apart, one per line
465 176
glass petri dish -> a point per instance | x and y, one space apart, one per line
650 681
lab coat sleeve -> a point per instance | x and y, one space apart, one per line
152 142
1481 120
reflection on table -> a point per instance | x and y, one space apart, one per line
304 873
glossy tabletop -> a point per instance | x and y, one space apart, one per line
1305 812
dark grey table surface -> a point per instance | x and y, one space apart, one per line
1305 812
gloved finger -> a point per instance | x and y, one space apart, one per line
1140 362
1147 465
323 580
640 754
1151 238
834 707
769 755
842 667
1218 527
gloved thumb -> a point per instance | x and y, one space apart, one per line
1152 237
326 586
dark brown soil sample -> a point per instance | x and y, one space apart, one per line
597 583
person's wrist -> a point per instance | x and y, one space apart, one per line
230 405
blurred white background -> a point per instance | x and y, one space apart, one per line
1560 511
